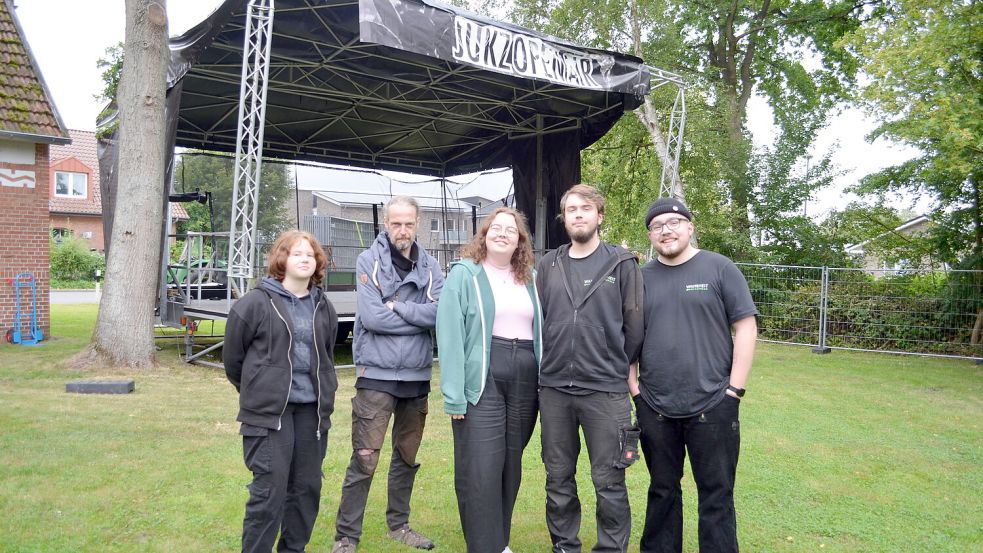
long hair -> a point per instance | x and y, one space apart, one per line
276 265
522 258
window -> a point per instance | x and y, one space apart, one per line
71 185
434 225
451 225
60 234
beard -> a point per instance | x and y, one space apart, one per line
671 251
403 245
582 235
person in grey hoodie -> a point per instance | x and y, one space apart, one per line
397 290
278 353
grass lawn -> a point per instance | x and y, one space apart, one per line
842 452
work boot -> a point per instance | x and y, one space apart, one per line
411 537
344 545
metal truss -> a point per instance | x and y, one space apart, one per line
669 184
249 142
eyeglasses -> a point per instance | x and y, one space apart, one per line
508 231
671 224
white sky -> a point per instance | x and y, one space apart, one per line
67 37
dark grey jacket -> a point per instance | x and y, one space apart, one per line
395 344
257 361
588 343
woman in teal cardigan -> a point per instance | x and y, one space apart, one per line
489 346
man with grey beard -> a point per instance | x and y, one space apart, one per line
397 290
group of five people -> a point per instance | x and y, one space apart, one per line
576 340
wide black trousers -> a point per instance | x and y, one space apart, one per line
488 445
285 493
713 441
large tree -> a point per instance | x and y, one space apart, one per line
124 328
925 62
785 51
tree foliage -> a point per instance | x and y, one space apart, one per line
111 67
71 259
785 51
214 173
925 62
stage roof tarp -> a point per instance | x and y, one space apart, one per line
405 85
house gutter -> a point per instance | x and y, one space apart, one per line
36 138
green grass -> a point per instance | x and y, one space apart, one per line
842 452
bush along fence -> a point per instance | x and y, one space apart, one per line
911 311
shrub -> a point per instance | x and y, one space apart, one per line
72 260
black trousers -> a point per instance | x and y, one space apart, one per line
285 493
488 446
602 416
713 440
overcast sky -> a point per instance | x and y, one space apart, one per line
67 37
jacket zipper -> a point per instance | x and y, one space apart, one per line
317 370
290 375
484 352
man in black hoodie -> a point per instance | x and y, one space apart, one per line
591 294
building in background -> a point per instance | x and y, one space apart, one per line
873 255
29 126
75 200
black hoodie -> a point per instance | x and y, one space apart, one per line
257 356
588 341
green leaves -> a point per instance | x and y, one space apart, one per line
924 59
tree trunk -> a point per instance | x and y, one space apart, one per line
124 334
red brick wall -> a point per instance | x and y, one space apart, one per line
24 239
81 224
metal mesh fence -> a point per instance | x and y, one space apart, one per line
925 312
911 312
789 301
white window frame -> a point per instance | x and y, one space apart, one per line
72 185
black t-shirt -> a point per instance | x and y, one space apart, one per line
403 389
689 309
582 272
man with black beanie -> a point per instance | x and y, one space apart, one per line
691 379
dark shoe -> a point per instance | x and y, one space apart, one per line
344 545
410 537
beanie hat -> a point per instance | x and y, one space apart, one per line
667 205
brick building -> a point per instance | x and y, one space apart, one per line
29 125
75 199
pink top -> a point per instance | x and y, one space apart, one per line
513 306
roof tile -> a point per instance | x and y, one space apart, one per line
24 106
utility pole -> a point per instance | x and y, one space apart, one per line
805 203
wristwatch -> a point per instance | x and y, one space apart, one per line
739 392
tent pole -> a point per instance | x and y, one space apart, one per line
540 237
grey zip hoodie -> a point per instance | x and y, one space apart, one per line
395 344
301 314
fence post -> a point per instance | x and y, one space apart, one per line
823 303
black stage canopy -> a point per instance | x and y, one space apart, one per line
404 85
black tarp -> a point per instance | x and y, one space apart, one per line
404 85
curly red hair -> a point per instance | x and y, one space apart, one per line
276 265
523 258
